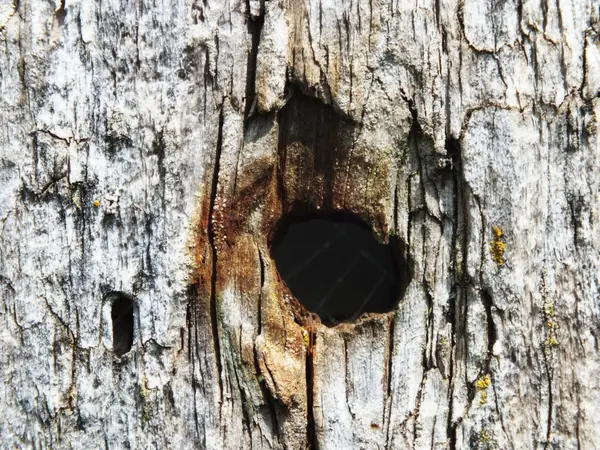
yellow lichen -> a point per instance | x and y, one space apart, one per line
483 383
551 322
498 233
498 246
305 337
551 341
549 309
483 398
485 436
96 203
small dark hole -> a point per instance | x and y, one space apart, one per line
60 16
336 268
122 322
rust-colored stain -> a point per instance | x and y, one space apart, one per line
200 247
316 167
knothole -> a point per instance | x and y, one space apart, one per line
336 268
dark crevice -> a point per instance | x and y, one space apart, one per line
396 210
281 158
390 364
428 358
563 63
255 25
416 129
67 141
211 239
544 6
311 436
390 356
584 65
550 406
579 417
122 315
189 314
262 284
575 213
192 327
488 304
459 261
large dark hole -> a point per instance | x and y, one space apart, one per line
334 266
122 322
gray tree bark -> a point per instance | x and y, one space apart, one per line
149 148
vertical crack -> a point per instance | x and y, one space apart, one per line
255 25
262 284
486 299
429 329
550 405
281 158
192 357
311 437
579 418
395 218
388 407
211 239
267 396
459 260
390 356
548 356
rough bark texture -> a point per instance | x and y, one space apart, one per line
149 148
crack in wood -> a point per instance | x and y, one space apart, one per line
255 25
459 265
492 333
311 436
212 243
270 401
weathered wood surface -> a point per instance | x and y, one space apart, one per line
149 148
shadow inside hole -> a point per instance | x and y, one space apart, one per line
335 267
122 322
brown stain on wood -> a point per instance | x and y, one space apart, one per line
317 166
